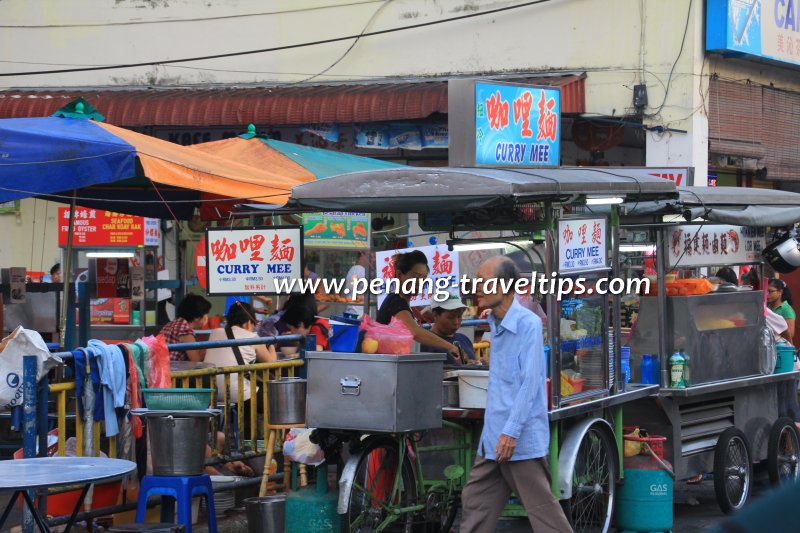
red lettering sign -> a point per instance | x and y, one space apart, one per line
522 112
388 269
548 120
97 228
281 250
222 251
567 235
596 235
497 112
582 233
442 264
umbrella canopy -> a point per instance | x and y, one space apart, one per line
50 155
262 152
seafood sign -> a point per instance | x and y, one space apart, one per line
336 230
581 244
711 245
250 260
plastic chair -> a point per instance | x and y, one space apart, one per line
182 489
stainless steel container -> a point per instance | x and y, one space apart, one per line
449 393
178 442
266 514
287 401
374 392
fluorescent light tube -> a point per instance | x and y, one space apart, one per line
109 255
608 200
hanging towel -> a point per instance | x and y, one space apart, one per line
112 375
82 358
141 355
133 390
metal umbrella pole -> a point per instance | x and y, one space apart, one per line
66 300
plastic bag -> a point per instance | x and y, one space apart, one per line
13 348
299 448
158 376
380 338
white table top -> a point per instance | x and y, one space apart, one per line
43 472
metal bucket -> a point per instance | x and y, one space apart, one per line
266 514
449 393
178 444
287 401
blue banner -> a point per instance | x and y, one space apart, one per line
517 126
760 28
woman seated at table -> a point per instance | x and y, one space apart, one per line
192 314
298 317
447 318
407 267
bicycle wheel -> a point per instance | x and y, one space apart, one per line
593 484
783 452
440 511
733 470
377 488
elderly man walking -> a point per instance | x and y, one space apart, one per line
516 434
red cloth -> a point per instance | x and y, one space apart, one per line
321 329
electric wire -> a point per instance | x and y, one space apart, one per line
278 48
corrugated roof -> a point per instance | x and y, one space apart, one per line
278 106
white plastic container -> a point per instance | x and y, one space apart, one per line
473 386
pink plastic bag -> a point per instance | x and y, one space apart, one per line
392 339
158 376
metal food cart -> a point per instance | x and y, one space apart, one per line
730 415
586 425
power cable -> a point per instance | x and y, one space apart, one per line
672 70
197 19
277 48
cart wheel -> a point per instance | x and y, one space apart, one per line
371 493
440 511
593 484
783 452
733 470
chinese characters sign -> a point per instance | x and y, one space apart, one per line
442 263
761 28
252 260
96 228
581 244
336 230
517 126
712 245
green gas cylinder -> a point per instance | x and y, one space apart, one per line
313 509
646 496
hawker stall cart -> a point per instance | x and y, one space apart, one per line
544 215
722 405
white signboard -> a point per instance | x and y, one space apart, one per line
137 283
714 244
152 232
581 244
442 263
253 260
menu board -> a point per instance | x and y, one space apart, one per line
581 244
714 244
336 230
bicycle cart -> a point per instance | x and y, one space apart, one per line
543 207
730 412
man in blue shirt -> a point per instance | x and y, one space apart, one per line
516 434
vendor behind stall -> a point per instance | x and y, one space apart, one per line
298 316
410 266
447 318
779 300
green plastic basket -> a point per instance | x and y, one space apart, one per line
177 399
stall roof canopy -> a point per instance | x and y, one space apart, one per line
286 105
730 205
418 189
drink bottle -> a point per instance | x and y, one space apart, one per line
676 366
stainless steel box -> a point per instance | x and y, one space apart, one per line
374 392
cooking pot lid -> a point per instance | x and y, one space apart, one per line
174 413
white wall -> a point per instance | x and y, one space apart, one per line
30 238
603 37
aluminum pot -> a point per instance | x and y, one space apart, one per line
449 393
178 444
266 514
287 401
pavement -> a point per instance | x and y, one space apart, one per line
695 510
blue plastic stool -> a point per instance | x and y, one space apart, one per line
182 489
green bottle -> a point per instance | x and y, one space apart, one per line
687 369
676 368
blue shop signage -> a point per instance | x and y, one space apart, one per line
761 28
517 126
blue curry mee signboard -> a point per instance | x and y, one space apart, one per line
494 124
767 29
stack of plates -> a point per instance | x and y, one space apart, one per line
611 345
225 499
592 366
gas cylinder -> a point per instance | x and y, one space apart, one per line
646 495
313 509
